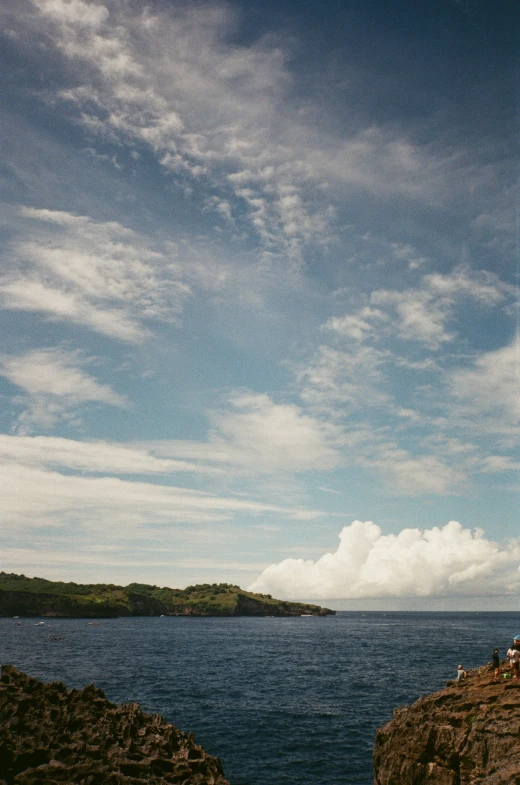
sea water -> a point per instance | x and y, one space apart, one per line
281 701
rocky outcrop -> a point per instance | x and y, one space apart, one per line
467 734
51 735
249 605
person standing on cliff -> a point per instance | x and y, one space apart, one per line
461 674
515 659
496 663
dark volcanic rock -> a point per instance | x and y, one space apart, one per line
49 734
466 734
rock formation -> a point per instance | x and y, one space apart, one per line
51 735
467 734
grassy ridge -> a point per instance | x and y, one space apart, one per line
22 596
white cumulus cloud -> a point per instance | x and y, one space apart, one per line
443 561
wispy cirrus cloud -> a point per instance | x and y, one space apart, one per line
416 439
55 387
427 313
97 457
423 314
491 385
484 397
36 497
350 379
100 275
87 493
173 82
391 399
255 436
358 325
230 115
413 474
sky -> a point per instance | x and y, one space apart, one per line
259 297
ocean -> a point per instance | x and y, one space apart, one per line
281 701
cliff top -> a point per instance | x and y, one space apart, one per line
465 734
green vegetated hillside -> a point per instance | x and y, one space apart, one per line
21 596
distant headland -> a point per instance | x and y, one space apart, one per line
38 597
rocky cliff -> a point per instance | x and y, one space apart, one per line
51 735
466 734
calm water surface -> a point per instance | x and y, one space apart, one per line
291 701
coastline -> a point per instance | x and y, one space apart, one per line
40 598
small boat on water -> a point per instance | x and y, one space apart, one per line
40 624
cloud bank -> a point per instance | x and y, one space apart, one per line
447 561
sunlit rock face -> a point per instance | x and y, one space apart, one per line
51 735
467 734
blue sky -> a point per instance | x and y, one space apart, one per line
259 293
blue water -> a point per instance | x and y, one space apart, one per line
292 701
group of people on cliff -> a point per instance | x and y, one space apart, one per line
513 655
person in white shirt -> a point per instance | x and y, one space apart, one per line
514 660
461 674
